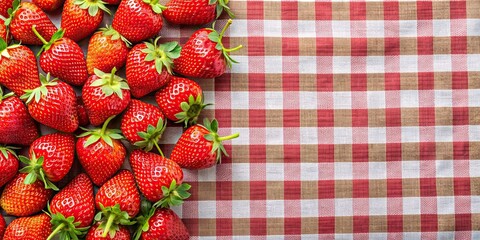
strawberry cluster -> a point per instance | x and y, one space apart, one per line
129 204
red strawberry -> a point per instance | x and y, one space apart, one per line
4 34
23 17
143 125
63 58
105 95
4 6
80 18
18 68
8 165
33 197
204 56
200 146
82 113
49 5
107 49
160 223
53 104
149 66
95 233
36 227
101 152
16 125
138 20
195 12
3 226
181 100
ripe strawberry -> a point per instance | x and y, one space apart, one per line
101 152
72 209
105 95
53 104
95 233
80 18
107 49
8 165
18 68
23 17
36 227
149 66
63 58
3 226
196 12
49 5
200 146
204 56
33 197
138 20
4 34
160 223
82 113
181 100
4 6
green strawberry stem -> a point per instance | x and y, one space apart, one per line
34 29
229 137
212 136
56 231
229 22
35 171
112 76
110 220
105 124
158 148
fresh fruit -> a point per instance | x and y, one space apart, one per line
32 197
107 49
4 6
200 146
149 66
95 233
195 12
82 113
8 166
72 209
204 55
3 226
49 5
36 227
105 95
181 100
16 125
81 18
4 34
138 20
63 58
160 223
53 104
101 152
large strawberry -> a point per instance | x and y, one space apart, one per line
36 227
16 125
149 66
138 20
181 100
3 226
49 5
95 233
20 199
195 12
63 58
200 146
53 104
204 55
72 209
107 49
8 165
4 6
105 95
160 223
101 152
80 18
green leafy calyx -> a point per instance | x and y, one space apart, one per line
162 54
93 6
214 36
191 110
217 146
39 92
5 96
4 49
11 12
66 228
151 136
114 35
173 195
35 171
47 44
156 6
107 135
110 83
111 218
4 150
222 5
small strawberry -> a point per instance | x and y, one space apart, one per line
63 58
82 113
107 49
195 12
8 165
95 233
3 226
20 199
138 20
36 227
200 146
49 5
105 95
81 18
4 6
181 100
160 223
53 104
101 152
204 56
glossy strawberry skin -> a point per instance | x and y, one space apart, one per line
193 150
95 233
8 168
3 31
165 224
16 125
193 12
137 117
24 18
49 5
105 53
82 113
36 227
4 6
120 189
19 72
33 197
78 23
3 226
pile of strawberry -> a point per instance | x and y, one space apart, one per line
128 204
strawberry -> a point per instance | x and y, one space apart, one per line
4 6
18 68
73 208
105 95
101 152
107 49
80 18
82 113
138 20
23 17
181 100
95 233
118 201
36 227
33 197
200 146
16 125
3 226
143 125
53 104
63 58
204 56
49 5
149 66
160 223
4 33
8 165
195 12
